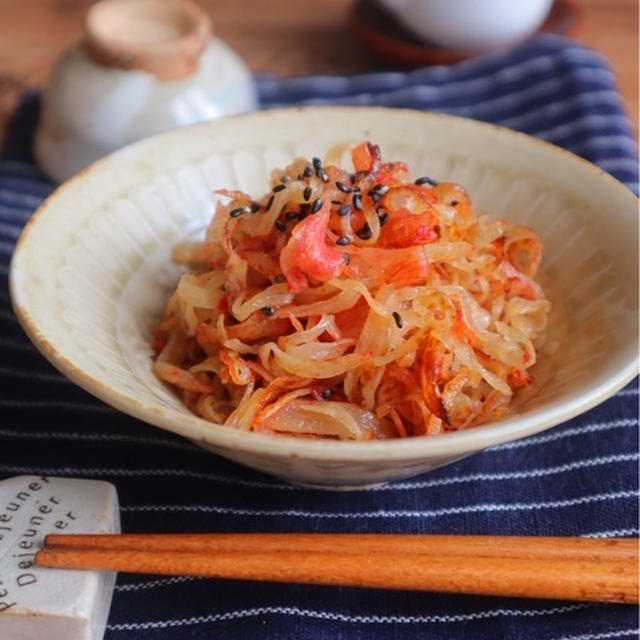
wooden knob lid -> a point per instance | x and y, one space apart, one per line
163 37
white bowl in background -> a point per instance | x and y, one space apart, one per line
470 25
91 272
143 67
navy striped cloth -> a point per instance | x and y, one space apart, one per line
577 479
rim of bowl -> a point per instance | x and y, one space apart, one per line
199 430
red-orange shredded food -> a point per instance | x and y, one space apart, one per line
354 305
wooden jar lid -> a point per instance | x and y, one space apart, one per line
163 37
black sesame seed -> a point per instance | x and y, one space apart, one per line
317 205
302 215
290 215
380 188
316 162
280 226
268 311
278 187
285 178
322 174
383 217
344 209
306 194
454 203
346 257
269 203
308 172
427 180
234 213
343 241
364 232
300 176
352 178
279 278
304 208
255 207
375 196
357 202
326 394
343 187
336 202
356 189
398 318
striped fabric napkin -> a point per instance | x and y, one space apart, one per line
577 479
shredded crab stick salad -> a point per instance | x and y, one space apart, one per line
353 304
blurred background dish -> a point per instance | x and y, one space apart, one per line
143 67
387 34
467 24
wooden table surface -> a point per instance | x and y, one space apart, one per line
283 37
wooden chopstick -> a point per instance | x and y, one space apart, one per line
502 565
456 545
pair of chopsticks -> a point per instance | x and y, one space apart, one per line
537 567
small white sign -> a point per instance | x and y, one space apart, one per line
38 603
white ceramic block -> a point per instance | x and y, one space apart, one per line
37 603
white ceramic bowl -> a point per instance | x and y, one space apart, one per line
470 25
91 271
143 67
89 110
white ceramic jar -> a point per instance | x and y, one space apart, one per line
470 25
144 67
